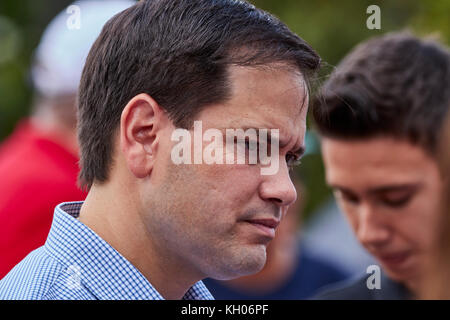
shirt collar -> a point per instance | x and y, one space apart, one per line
101 269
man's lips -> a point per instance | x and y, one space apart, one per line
394 260
265 225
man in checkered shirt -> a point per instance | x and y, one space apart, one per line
152 228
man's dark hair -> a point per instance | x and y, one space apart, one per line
177 51
395 85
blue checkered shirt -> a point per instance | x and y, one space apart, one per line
75 263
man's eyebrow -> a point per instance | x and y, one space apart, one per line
300 151
340 188
271 139
396 187
382 189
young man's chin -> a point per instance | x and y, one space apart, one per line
404 273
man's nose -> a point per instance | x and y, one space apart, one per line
372 229
278 188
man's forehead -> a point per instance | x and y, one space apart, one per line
275 80
262 99
376 151
288 116
374 163
287 126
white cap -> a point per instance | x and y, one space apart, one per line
65 44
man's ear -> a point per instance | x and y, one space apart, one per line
140 123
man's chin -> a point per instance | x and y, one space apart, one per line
406 276
246 263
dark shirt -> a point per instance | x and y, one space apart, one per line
311 273
358 290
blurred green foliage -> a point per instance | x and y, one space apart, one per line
331 27
21 26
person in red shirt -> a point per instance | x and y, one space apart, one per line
39 160
37 171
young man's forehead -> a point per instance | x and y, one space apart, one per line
375 164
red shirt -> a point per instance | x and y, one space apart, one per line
36 174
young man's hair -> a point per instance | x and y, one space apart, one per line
178 52
395 85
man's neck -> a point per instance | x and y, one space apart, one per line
117 221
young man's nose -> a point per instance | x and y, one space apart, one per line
371 230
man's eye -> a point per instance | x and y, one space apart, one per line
346 197
292 160
396 202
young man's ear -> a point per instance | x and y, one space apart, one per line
139 125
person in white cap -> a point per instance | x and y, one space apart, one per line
39 161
